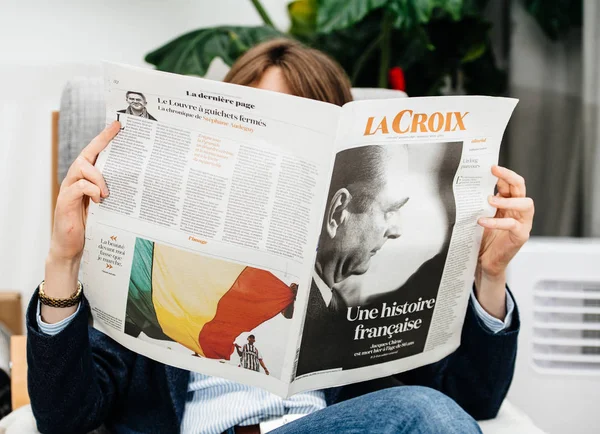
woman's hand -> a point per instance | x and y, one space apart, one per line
503 236
82 183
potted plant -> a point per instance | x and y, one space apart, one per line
425 47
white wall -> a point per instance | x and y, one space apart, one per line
544 135
43 44
539 64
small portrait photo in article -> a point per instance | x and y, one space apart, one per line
136 105
384 240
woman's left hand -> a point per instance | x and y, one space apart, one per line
504 235
509 229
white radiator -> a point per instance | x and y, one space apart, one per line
556 282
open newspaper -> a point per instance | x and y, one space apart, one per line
283 242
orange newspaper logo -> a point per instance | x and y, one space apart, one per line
108 266
197 240
114 238
407 121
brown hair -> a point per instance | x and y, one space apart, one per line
309 73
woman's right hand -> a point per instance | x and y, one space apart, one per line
82 183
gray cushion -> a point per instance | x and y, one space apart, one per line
82 117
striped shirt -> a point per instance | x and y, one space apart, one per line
213 405
250 358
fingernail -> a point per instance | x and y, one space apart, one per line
484 221
105 192
493 199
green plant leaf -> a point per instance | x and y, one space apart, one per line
303 16
410 13
556 17
415 44
475 52
474 8
341 14
347 47
483 77
193 52
429 53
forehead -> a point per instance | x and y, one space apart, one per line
135 96
394 189
273 80
389 195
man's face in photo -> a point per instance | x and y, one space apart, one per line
251 340
136 101
368 227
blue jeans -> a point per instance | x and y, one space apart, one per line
405 410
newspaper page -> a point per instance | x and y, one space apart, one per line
282 242
216 194
399 241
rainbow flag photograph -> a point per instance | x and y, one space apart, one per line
200 302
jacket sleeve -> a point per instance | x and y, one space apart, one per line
478 374
76 377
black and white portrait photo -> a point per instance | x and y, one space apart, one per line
384 240
136 105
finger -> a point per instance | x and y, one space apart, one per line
517 228
80 189
515 181
83 169
503 188
519 232
101 141
521 204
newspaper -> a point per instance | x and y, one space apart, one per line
282 242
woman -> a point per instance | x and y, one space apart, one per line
80 379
